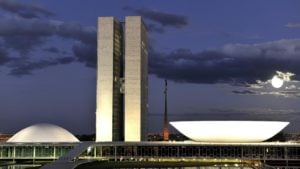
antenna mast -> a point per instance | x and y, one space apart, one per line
166 128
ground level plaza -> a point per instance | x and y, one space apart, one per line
277 153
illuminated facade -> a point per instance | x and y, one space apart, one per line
136 79
109 109
43 133
255 155
229 131
121 110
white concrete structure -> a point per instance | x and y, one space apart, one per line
229 131
43 132
136 79
108 107
122 107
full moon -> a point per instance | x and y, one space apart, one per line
277 82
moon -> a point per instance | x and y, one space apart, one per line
276 82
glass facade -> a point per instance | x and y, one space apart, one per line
117 74
32 151
279 154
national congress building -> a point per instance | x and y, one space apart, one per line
122 79
121 112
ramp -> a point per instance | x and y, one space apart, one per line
75 152
65 162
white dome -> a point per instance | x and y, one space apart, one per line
43 133
229 131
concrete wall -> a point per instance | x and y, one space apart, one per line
136 80
108 73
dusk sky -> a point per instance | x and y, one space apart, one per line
218 57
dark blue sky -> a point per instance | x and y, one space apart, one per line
217 55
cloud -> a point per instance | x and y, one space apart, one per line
52 50
4 58
290 88
86 54
280 49
233 114
293 25
162 18
24 67
233 64
256 113
237 64
240 35
243 92
155 28
24 10
87 35
23 36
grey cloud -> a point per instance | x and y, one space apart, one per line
24 67
233 114
234 64
265 90
24 10
4 58
86 54
155 28
23 44
243 92
289 88
257 113
293 25
52 50
237 35
280 49
25 35
75 31
162 18
283 93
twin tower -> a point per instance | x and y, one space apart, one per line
122 79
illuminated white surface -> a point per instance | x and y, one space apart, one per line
43 133
136 80
229 131
276 82
105 79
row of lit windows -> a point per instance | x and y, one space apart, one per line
208 151
29 151
159 151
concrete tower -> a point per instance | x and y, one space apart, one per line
136 79
122 110
109 107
